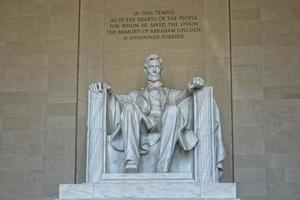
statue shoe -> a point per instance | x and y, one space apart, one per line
131 167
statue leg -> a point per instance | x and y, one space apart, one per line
171 121
130 126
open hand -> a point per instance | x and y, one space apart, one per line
99 87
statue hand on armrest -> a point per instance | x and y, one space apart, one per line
195 83
99 87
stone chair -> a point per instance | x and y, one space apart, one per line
193 175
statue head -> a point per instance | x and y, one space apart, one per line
153 67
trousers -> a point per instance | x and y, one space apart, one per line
131 121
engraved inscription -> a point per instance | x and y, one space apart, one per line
153 25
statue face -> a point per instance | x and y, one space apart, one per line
154 70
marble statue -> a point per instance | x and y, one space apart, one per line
169 140
154 128
153 109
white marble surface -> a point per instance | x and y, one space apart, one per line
148 176
78 191
209 152
147 127
96 137
159 199
144 189
182 161
207 157
177 157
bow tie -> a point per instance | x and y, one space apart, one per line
154 84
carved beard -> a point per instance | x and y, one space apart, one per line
154 78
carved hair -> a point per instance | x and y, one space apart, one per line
153 57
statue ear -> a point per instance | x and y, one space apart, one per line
162 70
145 69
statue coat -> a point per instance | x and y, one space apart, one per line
141 99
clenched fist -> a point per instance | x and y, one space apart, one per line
195 83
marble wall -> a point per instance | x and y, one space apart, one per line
265 37
38 87
51 50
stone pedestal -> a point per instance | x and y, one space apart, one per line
147 187
193 175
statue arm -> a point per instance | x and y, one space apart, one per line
182 96
195 84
